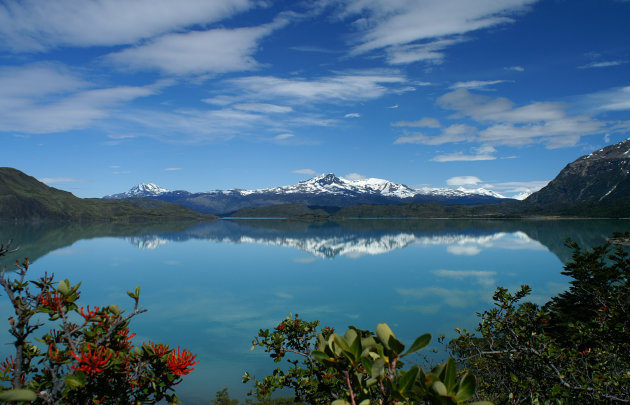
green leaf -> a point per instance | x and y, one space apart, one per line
396 345
341 342
368 343
320 356
439 388
450 373
378 368
18 395
367 362
384 332
64 287
420 343
114 309
406 380
73 382
467 386
350 335
340 402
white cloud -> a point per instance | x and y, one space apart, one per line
515 68
197 52
49 98
426 122
476 84
463 274
283 136
617 99
393 106
461 157
263 108
419 30
36 25
309 172
352 115
469 250
509 125
354 176
451 134
602 64
430 52
517 187
463 181
172 169
52 180
343 86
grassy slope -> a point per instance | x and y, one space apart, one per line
24 197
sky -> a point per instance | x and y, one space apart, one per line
97 96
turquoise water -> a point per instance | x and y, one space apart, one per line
210 287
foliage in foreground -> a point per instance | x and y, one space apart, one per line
573 349
87 355
360 367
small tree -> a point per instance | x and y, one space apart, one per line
573 349
87 355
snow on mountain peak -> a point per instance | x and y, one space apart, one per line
139 191
147 189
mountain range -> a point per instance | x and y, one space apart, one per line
326 190
595 185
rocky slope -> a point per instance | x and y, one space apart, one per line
599 176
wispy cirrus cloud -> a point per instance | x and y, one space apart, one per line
53 180
506 124
602 64
339 87
410 31
462 157
39 25
309 172
198 52
476 84
43 98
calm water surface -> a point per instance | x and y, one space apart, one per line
210 287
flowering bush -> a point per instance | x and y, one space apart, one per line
87 355
361 367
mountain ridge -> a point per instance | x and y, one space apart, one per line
324 190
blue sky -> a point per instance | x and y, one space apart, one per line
97 96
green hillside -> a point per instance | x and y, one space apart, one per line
23 197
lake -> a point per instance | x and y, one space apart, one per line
209 287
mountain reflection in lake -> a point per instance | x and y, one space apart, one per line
209 287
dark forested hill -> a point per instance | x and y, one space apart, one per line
24 197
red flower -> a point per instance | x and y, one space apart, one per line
159 349
52 301
181 363
90 314
126 337
8 365
92 362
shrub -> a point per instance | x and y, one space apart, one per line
573 349
87 355
360 367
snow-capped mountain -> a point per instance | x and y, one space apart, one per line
331 184
323 190
458 192
140 191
